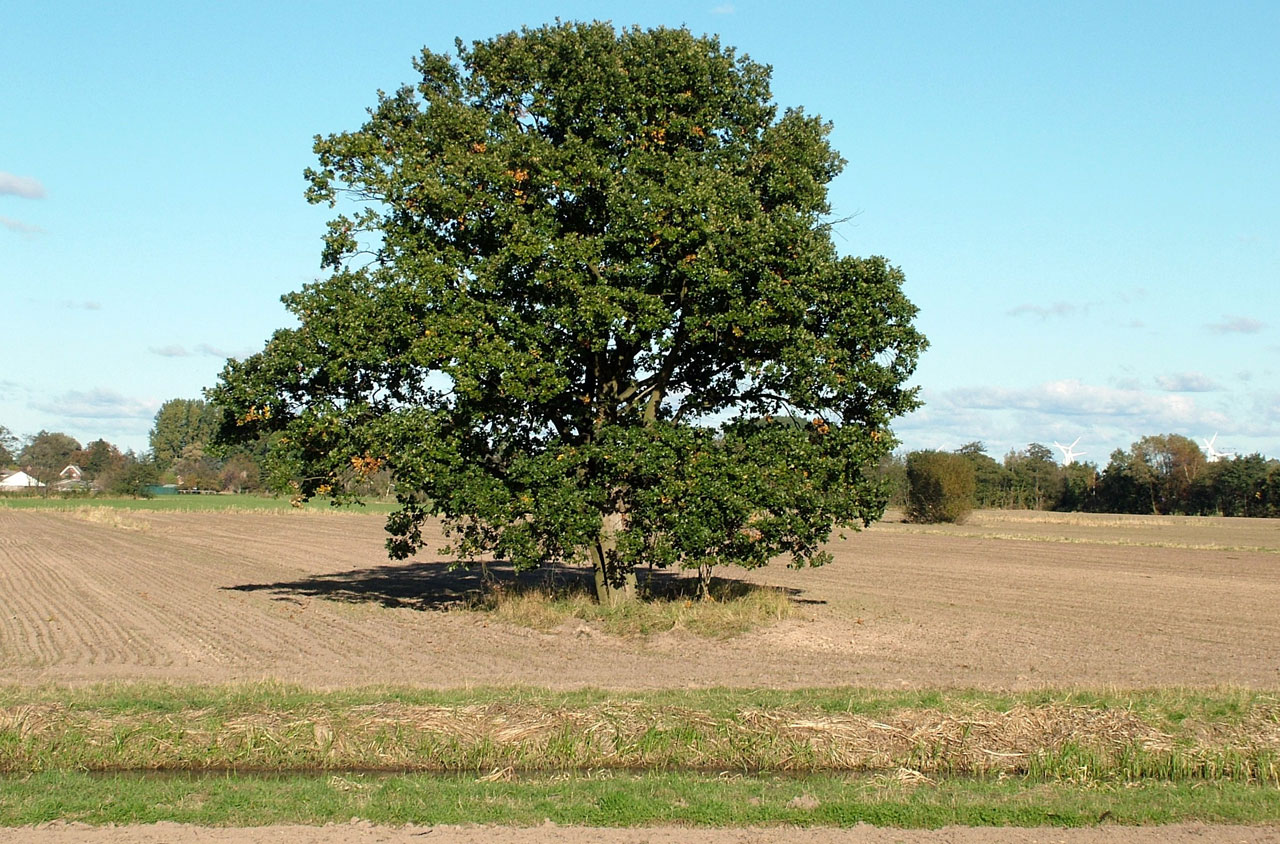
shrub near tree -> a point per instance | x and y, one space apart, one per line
576 247
940 486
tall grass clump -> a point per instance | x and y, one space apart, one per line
730 608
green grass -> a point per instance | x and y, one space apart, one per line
1167 706
1064 737
617 799
269 753
189 503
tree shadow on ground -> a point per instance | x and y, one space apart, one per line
442 585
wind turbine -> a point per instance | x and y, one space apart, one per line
1069 453
1214 454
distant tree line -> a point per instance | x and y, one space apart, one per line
1164 474
45 455
182 453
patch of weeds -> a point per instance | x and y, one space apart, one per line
732 607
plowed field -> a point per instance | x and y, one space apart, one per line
1008 601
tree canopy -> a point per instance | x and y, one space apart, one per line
180 426
9 447
583 303
48 453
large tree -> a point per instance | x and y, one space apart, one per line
584 304
1166 466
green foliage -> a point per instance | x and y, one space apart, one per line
1035 478
99 459
134 478
1080 483
1240 486
941 486
892 473
1155 476
9 447
991 480
47 454
586 245
183 428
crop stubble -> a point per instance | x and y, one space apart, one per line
1010 601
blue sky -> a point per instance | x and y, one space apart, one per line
1085 197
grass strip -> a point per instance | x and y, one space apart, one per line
1064 737
613 799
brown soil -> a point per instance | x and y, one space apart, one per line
1009 601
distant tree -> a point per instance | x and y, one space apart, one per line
195 469
135 478
892 473
9 447
1271 496
588 248
98 458
47 454
1035 478
991 479
1235 487
1119 491
940 486
1165 467
240 473
179 424
1079 487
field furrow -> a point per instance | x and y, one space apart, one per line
311 598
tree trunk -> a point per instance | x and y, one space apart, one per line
612 587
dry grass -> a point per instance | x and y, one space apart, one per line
734 607
1053 741
110 517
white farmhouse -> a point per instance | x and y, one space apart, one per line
19 480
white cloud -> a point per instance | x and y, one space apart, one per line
1187 382
1108 417
19 227
1074 398
724 9
85 305
175 350
1237 325
211 351
1057 309
1105 417
97 404
23 186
